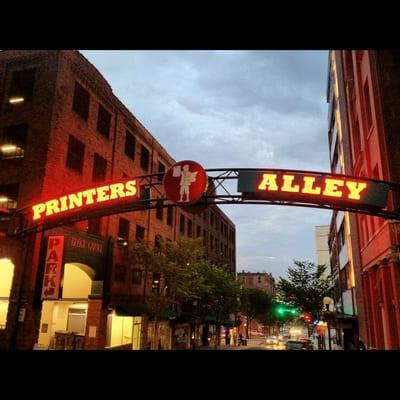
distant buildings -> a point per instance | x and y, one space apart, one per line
256 280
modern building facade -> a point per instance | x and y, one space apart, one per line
364 96
62 129
321 235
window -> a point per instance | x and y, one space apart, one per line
182 224
120 273
212 242
130 145
13 142
155 286
123 228
205 216
75 155
198 231
99 168
204 238
103 121
140 233
170 213
94 226
157 242
136 276
190 228
81 101
9 196
341 237
367 102
22 84
161 170
159 210
259 279
356 139
144 158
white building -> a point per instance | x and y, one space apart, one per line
322 248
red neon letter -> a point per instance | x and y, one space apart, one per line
288 184
131 188
37 210
355 189
268 180
331 186
308 186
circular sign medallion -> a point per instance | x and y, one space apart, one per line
185 182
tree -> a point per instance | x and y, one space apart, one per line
176 265
305 287
220 299
255 304
186 278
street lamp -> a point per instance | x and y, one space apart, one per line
327 301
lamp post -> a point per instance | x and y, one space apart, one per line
327 301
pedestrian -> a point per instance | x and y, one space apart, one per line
361 345
240 339
227 338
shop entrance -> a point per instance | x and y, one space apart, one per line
6 278
63 321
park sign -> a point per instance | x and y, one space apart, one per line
312 187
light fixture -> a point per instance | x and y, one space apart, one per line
16 100
122 242
3 199
8 148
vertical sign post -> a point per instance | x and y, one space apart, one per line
53 267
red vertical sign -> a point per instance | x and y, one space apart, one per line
53 267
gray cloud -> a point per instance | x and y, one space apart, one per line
236 109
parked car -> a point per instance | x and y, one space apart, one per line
299 344
272 340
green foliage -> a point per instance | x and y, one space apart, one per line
255 303
188 277
305 287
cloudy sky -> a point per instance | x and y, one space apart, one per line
234 109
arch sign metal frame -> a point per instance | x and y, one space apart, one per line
186 184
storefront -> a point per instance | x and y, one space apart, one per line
124 332
6 278
72 270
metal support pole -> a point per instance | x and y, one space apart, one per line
329 335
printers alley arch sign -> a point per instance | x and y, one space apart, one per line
318 188
186 183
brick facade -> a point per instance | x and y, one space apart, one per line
371 81
42 173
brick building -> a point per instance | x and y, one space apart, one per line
62 129
256 280
367 83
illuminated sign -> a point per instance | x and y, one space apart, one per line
86 198
185 182
312 188
53 267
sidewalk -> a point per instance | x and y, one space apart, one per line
251 343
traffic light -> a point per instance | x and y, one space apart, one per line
286 310
307 318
